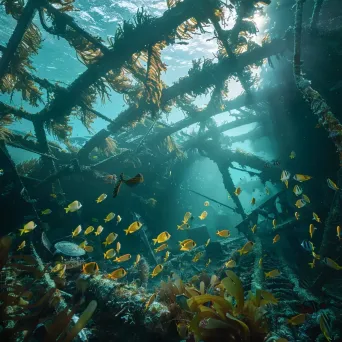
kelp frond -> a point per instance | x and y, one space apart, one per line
108 147
5 134
60 128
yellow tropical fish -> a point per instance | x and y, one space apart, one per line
118 247
110 239
300 203
77 231
325 325
338 229
284 177
150 301
311 230
161 248
135 226
22 245
223 233
297 215
315 217
253 201
74 206
99 230
306 198
297 320
207 243
109 217
254 229
208 262
157 270
206 203
181 227
312 264
332 264
316 256
272 274
137 259
246 248
88 249
182 243
89 230
197 256
90 268
167 255
237 191
53 195
276 238
109 254
123 258
187 217
203 215
117 274
58 267
162 237
101 198
188 246
292 155
332 185
274 223
46 212
83 244
118 219
301 178
297 190
28 227
183 329
61 273
230 264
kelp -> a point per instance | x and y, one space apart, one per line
234 288
26 167
5 133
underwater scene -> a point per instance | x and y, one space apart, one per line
170 170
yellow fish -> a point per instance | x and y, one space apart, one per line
197 256
315 217
161 248
332 264
230 264
300 203
325 325
274 223
61 273
187 216
109 254
338 229
207 243
157 270
123 258
118 247
118 219
117 274
83 244
137 259
90 268
332 185
162 237
253 201
223 233
72 207
167 255
46 212
22 245
306 198
284 177
99 230
312 264
53 195
206 203
276 238
77 231
301 178
89 230
88 249
28 227
260 262
101 198
58 267
188 246
297 215
109 217
292 155
184 242
208 262
272 274
297 190
267 191
246 248
254 229
316 256
135 226
297 320
311 230
110 239
237 191
181 227
203 215
150 301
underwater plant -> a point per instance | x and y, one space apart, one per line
26 167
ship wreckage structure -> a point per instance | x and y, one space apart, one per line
138 140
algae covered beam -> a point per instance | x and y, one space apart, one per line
20 113
23 22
